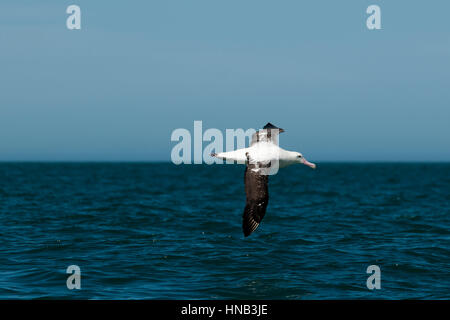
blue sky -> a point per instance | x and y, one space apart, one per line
116 89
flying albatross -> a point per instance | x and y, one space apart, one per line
261 157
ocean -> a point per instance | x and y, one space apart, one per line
161 231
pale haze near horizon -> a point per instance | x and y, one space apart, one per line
116 89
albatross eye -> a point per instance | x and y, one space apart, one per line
299 156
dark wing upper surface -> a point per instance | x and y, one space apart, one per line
268 134
256 189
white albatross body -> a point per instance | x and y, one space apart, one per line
262 152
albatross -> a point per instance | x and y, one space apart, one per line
260 158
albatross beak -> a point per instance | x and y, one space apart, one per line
309 164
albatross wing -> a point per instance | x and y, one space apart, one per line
256 188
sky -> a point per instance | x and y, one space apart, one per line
117 88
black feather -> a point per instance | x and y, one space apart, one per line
256 189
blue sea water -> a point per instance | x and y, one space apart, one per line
154 231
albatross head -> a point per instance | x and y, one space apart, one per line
299 158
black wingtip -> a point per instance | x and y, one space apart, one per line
248 231
249 225
271 126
